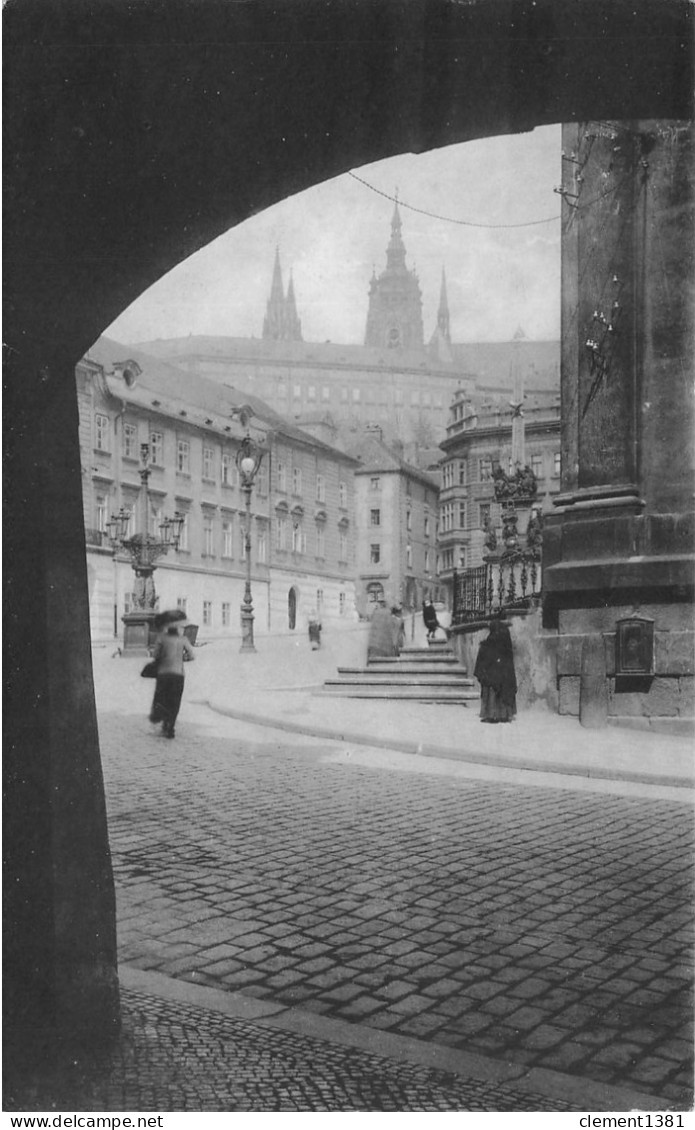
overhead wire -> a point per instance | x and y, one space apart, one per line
449 219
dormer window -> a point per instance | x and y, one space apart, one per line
128 370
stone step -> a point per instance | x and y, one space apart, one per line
431 649
402 674
387 682
420 657
411 693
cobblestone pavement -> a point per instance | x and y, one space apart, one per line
543 926
177 1057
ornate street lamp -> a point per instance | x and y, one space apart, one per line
144 549
248 461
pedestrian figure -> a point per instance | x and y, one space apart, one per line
314 631
494 670
429 616
170 651
381 642
398 627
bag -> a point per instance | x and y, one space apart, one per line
149 671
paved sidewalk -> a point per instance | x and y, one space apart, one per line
280 684
185 1048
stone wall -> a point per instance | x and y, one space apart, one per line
667 696
534 657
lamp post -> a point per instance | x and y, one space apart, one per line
144 549
248 461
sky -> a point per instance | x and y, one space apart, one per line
333 235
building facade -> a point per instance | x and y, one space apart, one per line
479 439
302 503
396 508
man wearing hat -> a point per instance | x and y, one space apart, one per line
171 649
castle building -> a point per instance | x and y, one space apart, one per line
394 379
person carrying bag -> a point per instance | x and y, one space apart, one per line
171 649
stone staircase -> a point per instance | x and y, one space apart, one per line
419 674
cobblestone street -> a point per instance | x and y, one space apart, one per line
547 927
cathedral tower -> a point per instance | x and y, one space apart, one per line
394 319
281 322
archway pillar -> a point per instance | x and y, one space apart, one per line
61 985
619 542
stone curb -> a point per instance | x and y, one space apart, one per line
587 1094
562 768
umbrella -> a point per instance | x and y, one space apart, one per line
169 616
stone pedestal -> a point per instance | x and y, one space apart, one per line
138 631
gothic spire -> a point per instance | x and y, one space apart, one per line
293 326
275 308
443 312
395 252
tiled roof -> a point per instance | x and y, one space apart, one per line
200 400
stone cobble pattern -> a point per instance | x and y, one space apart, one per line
541 925
174 1057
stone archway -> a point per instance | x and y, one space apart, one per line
127 152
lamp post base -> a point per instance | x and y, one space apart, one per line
246 629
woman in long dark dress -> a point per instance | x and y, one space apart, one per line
429 616
494 670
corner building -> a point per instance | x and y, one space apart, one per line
302 537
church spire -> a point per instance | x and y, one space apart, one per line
281 322
293 326
443 312
395 252
275 308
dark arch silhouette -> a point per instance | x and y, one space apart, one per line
135 134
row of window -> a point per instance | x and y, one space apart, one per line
454 516
208 617
455 472
375 555
452 558
375 484
375 520
282 478
228 471
355 395
290 534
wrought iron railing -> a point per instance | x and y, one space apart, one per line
505 581
470 600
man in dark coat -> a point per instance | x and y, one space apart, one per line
494 670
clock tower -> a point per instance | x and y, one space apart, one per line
394 319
